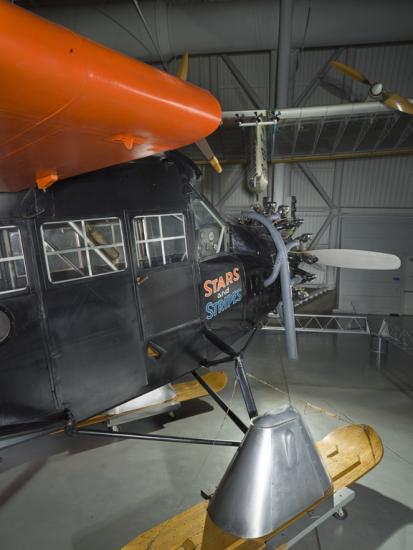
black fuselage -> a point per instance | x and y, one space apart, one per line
86 343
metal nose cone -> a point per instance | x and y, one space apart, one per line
275 475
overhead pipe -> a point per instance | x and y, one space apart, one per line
236 26
290 114
333 111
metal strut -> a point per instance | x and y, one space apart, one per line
240 373
18 433
244 384
164 438
237 421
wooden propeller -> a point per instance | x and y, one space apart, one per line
182 71
398 102
376 91
351 72
202 144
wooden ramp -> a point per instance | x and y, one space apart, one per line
185 391
348 453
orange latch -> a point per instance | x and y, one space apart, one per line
152 352
128 140
46 179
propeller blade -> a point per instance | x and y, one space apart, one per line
351 72
398 102
391 99
206 150
202 144
356 259
182 71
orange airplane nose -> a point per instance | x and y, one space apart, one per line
71 106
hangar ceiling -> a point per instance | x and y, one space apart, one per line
230 26
237 29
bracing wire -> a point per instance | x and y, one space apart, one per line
301 48
119 24
145 24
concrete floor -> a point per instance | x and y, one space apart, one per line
83 493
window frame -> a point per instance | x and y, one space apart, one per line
15 258
221 222
161 239
86 248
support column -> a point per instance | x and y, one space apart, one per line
283 74
332 278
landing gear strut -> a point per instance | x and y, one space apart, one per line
240 373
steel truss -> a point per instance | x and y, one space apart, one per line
397 335
336 324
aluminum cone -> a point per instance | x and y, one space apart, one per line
275 475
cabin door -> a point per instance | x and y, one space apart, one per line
25 388
168 295
94 335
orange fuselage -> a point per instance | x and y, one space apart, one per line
69 105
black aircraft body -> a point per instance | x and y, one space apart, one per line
114 283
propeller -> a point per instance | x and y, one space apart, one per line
352 259
351 72
206 150
202 144
182 71
376 89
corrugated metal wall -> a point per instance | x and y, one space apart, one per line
358 188
378 292
380 182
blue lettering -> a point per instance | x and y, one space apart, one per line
209 308
215 308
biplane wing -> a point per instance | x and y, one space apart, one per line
69 105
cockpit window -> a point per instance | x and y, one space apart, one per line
210 230
160 239
83 248
12 266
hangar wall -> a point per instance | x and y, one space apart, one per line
372 198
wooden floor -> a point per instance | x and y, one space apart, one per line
348 453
